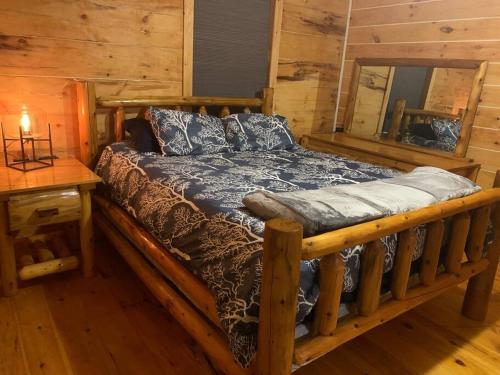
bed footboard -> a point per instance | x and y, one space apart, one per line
283 252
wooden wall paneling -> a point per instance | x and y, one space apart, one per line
187 64
312 36
449 90
425 11
276 19
470 111
436 29
370 97
123 46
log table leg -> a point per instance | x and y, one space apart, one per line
7 255
86 240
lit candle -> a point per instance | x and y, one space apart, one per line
25 121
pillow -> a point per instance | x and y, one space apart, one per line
255 131
142 135
186 133
447 132
422 130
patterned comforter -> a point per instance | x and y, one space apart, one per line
193 206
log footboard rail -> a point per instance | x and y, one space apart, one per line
464 259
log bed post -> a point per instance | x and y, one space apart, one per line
268 105
278 299
479 287
119 118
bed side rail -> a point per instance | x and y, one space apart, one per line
464 260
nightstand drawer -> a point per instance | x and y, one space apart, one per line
43 207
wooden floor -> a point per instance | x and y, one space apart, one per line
110 325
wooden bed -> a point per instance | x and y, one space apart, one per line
191 303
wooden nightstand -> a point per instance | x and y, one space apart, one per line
47 196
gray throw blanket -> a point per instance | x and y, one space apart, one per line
340 206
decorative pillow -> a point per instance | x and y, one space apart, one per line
447 132
255 131
142 135
185 133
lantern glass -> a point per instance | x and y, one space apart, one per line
27 156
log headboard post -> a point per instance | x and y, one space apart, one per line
87 122
119 118
268 104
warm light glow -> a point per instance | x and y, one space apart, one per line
25 121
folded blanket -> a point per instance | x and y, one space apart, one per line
340 206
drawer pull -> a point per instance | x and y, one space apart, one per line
46 212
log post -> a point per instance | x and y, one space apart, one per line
479 226
331 281
224 112
119 118
372 268
479 287
402 263
432 249
86 238
268 105
87 121
397 117
459 232
7 256
278 299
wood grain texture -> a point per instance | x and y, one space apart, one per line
372 268
432 249
438 29
48 44
278 299
92 316
312 36
44 207
8 272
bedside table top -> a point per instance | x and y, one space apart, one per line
64 173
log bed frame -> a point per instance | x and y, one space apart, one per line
192 304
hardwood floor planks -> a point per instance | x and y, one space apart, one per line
111 325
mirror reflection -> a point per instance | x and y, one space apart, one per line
416 105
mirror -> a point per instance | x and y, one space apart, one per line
416 103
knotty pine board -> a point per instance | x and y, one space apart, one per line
464 29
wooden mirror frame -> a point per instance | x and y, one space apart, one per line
469 114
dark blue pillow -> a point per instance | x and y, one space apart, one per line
422 130
186 133
256 131
142 135
447 132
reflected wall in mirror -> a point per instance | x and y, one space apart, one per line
427 103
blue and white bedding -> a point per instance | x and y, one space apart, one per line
193 205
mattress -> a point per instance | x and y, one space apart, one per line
192 206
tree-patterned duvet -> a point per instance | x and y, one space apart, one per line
193 206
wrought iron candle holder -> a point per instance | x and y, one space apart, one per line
25 162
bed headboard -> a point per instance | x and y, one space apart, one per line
89 105
403 116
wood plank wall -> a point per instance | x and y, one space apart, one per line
463 29
126 46
310 54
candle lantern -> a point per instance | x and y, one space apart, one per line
27 159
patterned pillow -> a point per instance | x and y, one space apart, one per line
255 131
185 133
447 132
